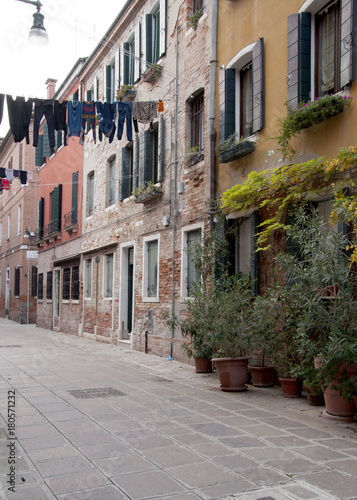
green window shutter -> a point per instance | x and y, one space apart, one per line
41 215
124 173
88 95
135 161
108 83
254 260
116 71
348 41
46 142
162 27
148 158
147 42
221 257
74 196
39 152
57 208
258 85
305 57
161 148
142 157
95 92
126 63
227 106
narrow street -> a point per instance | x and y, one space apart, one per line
95 421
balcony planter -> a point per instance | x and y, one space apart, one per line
126 93
146 194
231 149
152 73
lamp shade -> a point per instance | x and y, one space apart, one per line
38 34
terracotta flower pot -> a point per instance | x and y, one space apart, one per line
203 365
292 387
232 373
337 405
262 376
314 397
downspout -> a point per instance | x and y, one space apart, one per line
175 202
212 104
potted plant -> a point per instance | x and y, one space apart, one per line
307 114
147 192
233 148
193 156
152 73
126 93
195 18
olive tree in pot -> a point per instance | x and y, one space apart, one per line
326 331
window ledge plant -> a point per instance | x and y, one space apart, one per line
195 18
126 92
148 192
152 73
193 156
233 148
306 115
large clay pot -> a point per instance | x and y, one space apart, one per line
262 376
232 373
314 397
292 387
203 365
336 405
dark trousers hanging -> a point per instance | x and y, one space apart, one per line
19 117
44 107
60 115
124 109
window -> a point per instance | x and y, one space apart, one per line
88 278
131 79
151 268
90 193
74 215
128 167
197 122
19 219
8 226
111 182
34 281
40 287
66 283
151 154
199 5
328 69
241 93
154 33
17 282
108 275
56 209
156 36
49 286
75 283
191 237
109 82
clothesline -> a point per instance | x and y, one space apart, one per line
8 174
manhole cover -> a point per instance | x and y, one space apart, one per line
6 346
102 392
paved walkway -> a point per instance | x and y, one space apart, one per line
95 421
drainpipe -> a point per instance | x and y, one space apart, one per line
175 202
212 104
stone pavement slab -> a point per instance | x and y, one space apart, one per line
95 421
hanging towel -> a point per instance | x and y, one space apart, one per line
1 106
88 113
74 120
9 174
60 117
2 173
29 175
44 107
125 109
5 184
19 117
106 120
23 176
16 174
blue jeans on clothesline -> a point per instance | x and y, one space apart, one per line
124 109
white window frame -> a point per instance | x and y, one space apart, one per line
88 193
111 164
86 296
105 276
146 241
184 256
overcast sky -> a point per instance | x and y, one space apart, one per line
74 29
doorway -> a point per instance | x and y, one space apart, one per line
7 293
126 307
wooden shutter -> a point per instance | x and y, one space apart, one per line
17 282
160 152
348 40
147 41
137 52
258 85
34 281
126 63
108 83
116 71
46 142
162 27
74 197
95 90
41 215
124 173
135 161
57 208
227 106
146 160
254 221
39 152
299 58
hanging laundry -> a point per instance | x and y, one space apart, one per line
44 107
106 120
2 173
19 117
144 112
125 109
17 174
160 106
5 184
30 175
60 117
9 174
74 120
88 113
23 176
1 106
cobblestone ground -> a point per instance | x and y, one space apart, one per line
85 420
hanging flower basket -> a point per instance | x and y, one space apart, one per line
236 151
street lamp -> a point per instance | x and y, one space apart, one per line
38 34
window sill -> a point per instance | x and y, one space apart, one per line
151 299
110 207
48 301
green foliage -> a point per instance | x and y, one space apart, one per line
306 115
147 189
276 189
195 18
122 90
